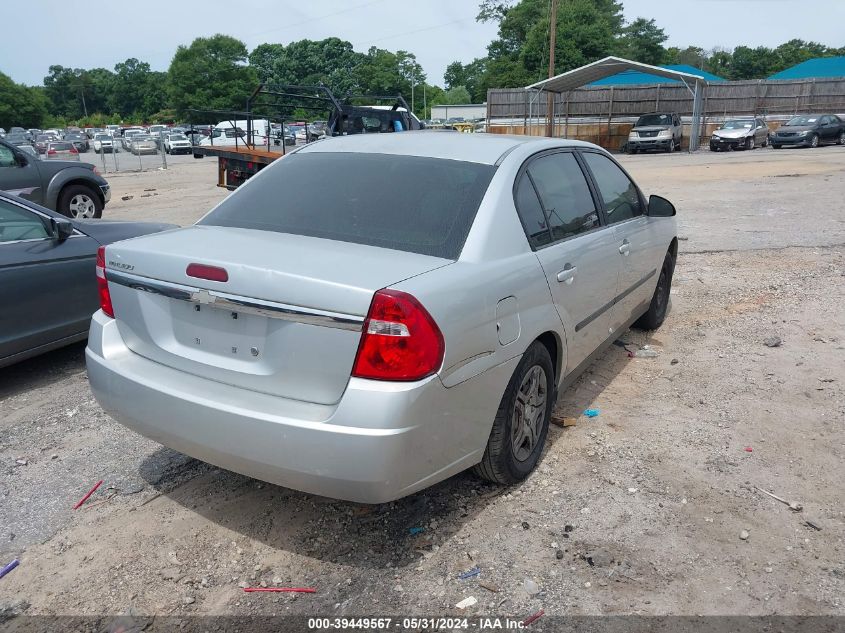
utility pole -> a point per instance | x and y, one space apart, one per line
550 103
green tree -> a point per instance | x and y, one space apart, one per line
752 63
330 62
642 41
136 89
587 30
21 105
690 56
263 58
468 75
210 74
381 73
719 62
62 88
458 95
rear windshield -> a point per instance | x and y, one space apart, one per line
406 203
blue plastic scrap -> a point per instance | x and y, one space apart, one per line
469 574
591 413
415 530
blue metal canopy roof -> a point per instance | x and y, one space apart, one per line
818 67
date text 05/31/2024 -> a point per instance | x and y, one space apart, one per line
411 623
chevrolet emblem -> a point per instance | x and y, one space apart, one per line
203 296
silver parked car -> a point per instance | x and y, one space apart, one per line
740 134
143 144
365 335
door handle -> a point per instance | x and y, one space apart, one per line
567 275
625 248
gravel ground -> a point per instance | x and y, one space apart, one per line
652 507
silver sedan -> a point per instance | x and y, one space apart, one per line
373 314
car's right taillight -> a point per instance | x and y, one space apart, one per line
400 340
103 284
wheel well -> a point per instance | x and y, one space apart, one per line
85 183
552 344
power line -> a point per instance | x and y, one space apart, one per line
428 28
321 17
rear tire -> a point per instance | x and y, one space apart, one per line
522 421
80 202
659 306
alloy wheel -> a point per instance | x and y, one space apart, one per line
528 413
82 206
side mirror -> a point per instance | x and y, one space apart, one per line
659 207
62 229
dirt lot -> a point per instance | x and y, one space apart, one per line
650 508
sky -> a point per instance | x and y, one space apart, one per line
436 31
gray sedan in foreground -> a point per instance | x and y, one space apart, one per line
46 273
365 335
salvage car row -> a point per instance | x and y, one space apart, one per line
664 132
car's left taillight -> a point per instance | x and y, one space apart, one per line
400 341
103 284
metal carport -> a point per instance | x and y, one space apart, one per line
609 66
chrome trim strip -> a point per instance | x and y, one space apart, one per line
236 303
580 326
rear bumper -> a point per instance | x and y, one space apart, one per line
382 441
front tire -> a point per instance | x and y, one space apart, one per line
841 140
814 141
656 313
522 421
80 202
749 143
671 147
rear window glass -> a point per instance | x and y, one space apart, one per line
406 203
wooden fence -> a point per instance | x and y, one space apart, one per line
588 113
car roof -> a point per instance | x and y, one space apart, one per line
474 148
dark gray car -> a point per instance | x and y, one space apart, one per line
47 275
72 188
810 130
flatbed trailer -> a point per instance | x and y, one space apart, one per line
236 165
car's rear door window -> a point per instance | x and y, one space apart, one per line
407 203
531 213
618 193
564 195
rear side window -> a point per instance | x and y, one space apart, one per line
564 195
619 194
531 213
406 203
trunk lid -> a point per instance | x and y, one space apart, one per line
287 322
